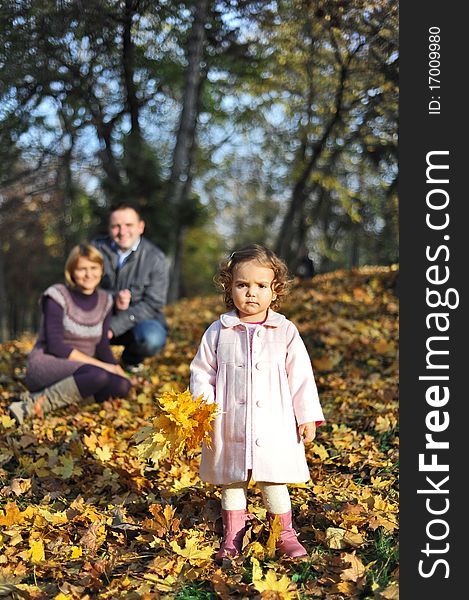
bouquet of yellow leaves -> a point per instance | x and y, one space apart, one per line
181 426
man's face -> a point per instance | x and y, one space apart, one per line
125 227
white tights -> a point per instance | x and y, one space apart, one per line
275 496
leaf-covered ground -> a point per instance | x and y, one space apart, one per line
82 517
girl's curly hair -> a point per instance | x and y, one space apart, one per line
266 258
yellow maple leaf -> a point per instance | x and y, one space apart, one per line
284 587
37 554
90 441
320 451
380 503
255 550
182 424
151 445
11 515
143 433
256 569
383 346
348 588
388 523
104 454
7 422
76 552
274 536
385 423
169 513
378 482
90 513
192 552
186 480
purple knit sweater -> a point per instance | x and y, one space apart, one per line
54 330
71 320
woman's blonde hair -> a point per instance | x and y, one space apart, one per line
266 258
87 251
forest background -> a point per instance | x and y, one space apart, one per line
227 121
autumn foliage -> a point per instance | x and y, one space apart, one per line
104 500
181 425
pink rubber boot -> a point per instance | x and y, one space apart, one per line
288 543
234 527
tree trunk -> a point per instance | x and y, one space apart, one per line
180 181
355 248
108 160
134 144
68 199
300 194
128 61
65 181
3 303
300 191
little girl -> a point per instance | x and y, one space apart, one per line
254 365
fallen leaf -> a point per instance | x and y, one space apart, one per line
37 554
104 454
275 529
355 571
11 515
67 468
90 441
94 537
75 552
335 538
192 551
7 422
327 361
256 569
391 592
18 487
284 588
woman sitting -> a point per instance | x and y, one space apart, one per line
72 359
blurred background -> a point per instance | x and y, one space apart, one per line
227 121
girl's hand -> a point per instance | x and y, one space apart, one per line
307 432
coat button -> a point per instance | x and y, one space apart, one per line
259 366
260 404
258 442
260 332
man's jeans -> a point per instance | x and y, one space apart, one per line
145 339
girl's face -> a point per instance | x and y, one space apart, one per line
251 290
87 275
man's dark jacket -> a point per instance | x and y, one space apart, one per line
144 273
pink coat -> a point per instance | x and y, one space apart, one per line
279 387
